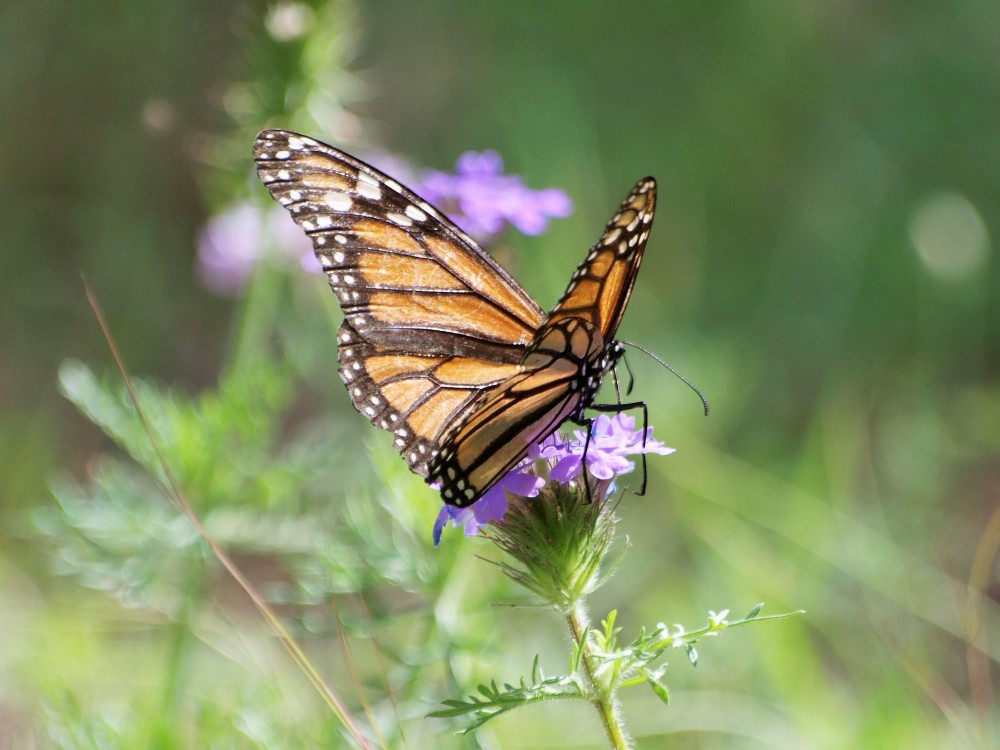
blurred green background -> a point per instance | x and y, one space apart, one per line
822 265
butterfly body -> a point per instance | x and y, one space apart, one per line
440 346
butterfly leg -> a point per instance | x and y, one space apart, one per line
588 424
618 390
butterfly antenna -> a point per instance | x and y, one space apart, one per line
680 377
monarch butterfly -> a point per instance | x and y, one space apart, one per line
439 345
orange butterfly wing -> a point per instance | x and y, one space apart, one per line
563 368
602 284
432 321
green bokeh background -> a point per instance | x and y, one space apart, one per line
822 265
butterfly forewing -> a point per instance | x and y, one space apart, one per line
403 274
602 284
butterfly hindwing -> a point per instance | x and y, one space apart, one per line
518 414
416 397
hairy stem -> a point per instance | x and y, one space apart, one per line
604 700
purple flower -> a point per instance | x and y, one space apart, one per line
493 504
482 200
232 244
611 440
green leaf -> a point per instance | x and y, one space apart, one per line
657 687
494 701
692 653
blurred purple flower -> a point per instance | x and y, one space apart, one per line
228 248
482 200
232 244
611 440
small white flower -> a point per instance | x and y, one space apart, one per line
717 621
678 635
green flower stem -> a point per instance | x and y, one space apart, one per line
604 699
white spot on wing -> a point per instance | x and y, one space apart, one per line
610 237
338 201
403 221
371 192
415 213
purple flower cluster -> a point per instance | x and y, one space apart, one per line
612 439
483 200
478 197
